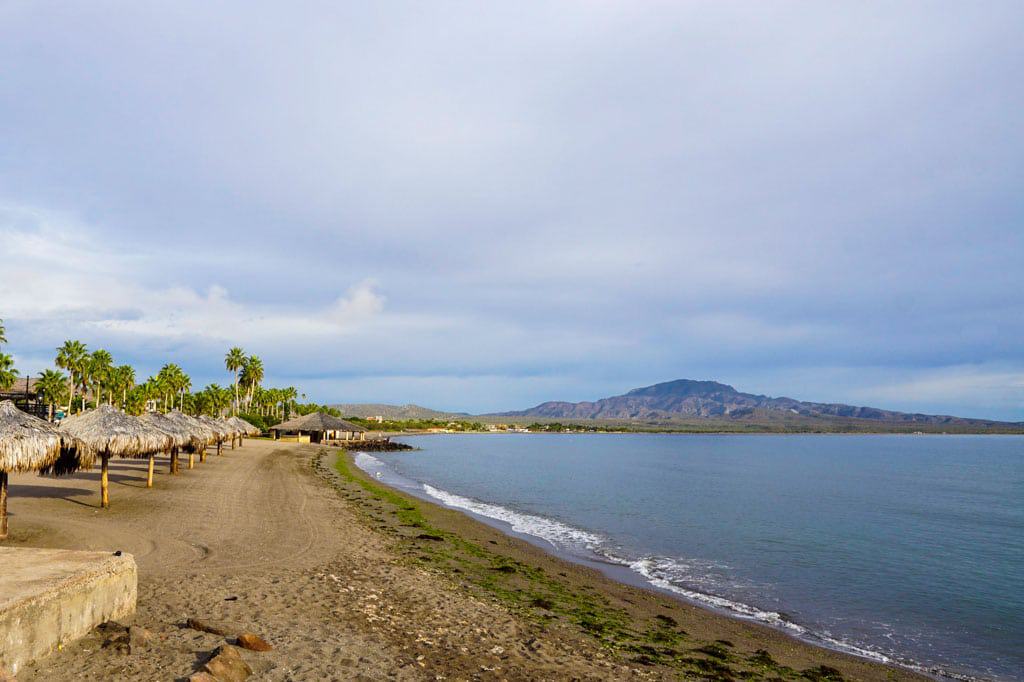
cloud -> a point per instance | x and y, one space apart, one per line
581 198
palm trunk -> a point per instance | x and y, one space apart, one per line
191 459
71 395
149 476
3 505
174 460
202 455
105 482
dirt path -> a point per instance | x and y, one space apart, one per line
257 538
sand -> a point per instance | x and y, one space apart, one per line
270 538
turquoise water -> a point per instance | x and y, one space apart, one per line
906 548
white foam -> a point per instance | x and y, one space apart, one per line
560 535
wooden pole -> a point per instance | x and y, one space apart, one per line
149 476
3 505
219 443
105 482
191 459
202 455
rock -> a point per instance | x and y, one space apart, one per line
227 665
120 643
248 640
139 637
214 627
202 677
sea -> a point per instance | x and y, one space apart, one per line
907 549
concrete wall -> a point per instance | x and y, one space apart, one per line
49 597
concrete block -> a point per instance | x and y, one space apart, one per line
49 597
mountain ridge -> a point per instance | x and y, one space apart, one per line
693 399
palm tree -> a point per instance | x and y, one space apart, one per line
184 384
124 381
252 376
170 380
290 394
52 385
7 372
233 362
3 333
100 365
71 356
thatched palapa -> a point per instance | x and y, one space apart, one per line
318 425
200 435
245 427
108 432
180 437
221 429
28 443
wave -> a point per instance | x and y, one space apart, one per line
560 535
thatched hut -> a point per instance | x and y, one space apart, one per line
180 437
317 427
245 429
108 432
220 430
28 443
201 435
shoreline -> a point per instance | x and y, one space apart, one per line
644 603
622 571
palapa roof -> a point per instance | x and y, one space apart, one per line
220 427
201 433
108 430
244 426
317 421
179 433
28 443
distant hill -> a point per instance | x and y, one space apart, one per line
394 411
690 400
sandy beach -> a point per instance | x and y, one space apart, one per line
350 581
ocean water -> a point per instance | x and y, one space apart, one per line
903 548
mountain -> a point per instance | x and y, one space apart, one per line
685 399
398 412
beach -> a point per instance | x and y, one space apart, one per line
347 579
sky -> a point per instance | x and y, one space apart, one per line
482 206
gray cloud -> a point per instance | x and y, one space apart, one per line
529 202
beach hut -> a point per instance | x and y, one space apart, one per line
201 435
28 443
180 438
317 427
107 432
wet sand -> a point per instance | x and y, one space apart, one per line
350 582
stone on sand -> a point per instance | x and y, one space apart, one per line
248 640
227 665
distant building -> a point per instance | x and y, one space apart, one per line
25 396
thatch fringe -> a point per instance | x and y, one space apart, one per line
222 430
28 443
200 435
108 431
243 426
180 436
